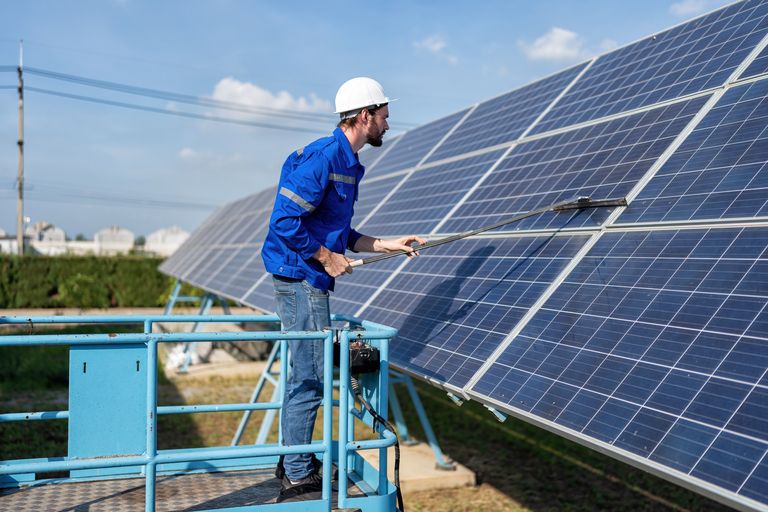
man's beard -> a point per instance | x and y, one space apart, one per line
374 141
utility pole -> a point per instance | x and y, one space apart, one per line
20 180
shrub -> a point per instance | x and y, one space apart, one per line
82 282
83 291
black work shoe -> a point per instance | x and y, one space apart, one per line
309 488
316 464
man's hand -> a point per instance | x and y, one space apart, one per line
399 244
333 263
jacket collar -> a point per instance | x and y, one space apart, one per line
350 157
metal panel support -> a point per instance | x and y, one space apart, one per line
190 346
441 462
397 412
173 298
268 375
498 414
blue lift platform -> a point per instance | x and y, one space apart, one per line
113 462
271 374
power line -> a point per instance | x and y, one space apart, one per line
156 110
9 86
75 197
172 96
186 98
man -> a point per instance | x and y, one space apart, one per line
309 231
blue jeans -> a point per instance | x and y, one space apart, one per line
301 307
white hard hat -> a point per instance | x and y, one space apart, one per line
358 93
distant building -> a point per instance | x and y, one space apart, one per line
81 247
7 243
113 240
44 231
164 242
47 239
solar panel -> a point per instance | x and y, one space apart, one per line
657 346
175 263
686 59
223 255
371 195
370 155
720 171
240 274
261 295
602 160
641 333
354 290
758 66
425 196
454 304
414 145
506 117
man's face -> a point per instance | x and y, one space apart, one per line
377 126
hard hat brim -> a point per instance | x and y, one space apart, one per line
367 106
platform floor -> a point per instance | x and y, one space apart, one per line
190 492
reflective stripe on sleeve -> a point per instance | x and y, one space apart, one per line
342 178
297 199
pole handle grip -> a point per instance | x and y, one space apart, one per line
356 263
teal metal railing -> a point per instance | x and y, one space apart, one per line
346 449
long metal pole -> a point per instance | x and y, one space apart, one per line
20 179
575 204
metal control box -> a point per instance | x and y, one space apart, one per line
107 404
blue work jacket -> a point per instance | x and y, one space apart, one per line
314 206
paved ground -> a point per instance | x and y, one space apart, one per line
173 493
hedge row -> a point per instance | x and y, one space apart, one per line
82 282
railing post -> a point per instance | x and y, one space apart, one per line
383 389
328 415
282 385
151 449
344 415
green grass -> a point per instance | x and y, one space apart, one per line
519 467
36 379
43 367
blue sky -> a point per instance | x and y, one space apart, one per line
91 165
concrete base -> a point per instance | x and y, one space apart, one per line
418 471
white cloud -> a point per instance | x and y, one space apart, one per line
557 44
560 44
187 154
436 45
233 90
688 8
432 44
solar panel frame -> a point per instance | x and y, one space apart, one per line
370 156
424 197
415 145
743 245
493 115
620 158
478 274
718 172
606 75
758 66
261 288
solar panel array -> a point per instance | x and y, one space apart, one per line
639 331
